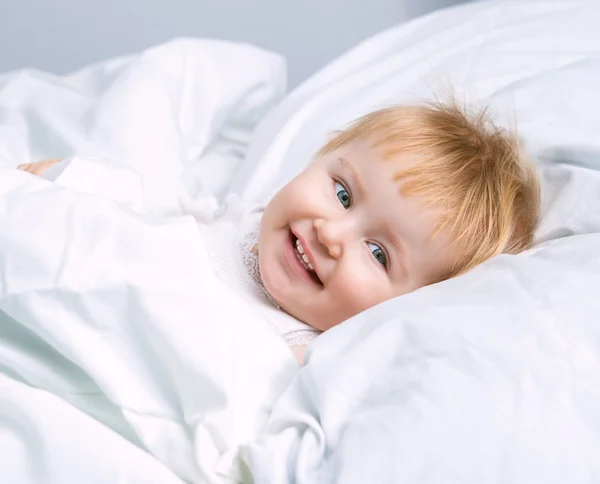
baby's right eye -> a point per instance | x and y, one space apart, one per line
343 195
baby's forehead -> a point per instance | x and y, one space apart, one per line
368 146
377 166
375 152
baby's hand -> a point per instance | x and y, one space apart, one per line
40 167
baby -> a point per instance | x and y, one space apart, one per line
405 197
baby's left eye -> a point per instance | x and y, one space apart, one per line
343 195
378 253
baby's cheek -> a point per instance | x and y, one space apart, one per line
357 292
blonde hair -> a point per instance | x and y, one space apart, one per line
473 172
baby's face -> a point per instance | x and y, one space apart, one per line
364 242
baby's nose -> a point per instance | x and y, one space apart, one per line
326 236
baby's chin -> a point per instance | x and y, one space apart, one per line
303 315
291 307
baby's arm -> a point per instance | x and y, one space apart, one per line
39 168
299 353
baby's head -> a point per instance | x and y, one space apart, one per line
406 197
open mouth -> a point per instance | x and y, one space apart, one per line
304 260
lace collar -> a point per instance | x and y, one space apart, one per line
249 250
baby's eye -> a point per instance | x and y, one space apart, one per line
378 253
343 195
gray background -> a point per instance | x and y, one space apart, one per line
63 35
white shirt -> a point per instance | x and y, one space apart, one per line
229 234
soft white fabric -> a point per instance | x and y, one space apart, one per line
179 114
114 369
151 358
105 178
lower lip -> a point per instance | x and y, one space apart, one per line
295 264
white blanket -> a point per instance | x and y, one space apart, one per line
121 317
180 114
122 358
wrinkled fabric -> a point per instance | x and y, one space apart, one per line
116 320
179 114
117 363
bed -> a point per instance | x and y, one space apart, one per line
132 378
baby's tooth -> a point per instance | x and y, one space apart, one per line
305 258
300 248
310 266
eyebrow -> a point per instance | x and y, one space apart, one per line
400 246
353 174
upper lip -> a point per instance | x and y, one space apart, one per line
308 253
